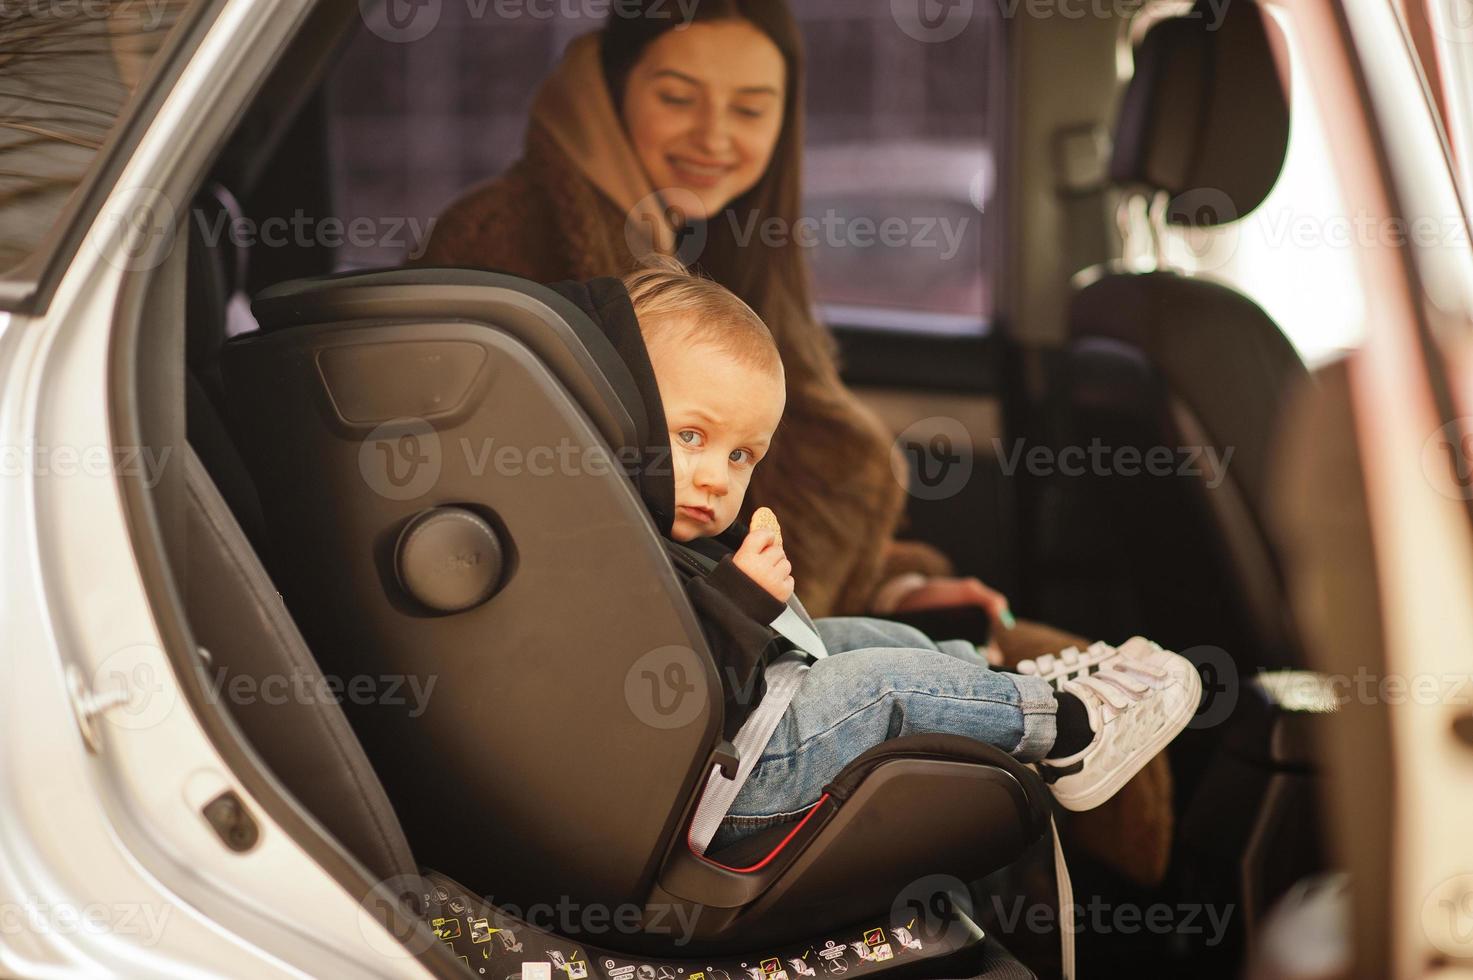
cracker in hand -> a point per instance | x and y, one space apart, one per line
763 519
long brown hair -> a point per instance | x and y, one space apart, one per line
829 472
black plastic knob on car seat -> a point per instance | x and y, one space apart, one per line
449 559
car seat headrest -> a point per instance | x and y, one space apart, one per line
1206 114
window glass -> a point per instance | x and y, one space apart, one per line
67 70
899 173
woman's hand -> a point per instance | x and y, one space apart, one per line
941 593
762 559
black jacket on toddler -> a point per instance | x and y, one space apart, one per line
734 611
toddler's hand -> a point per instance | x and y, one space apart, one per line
762 559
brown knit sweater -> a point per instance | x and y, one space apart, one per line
540 220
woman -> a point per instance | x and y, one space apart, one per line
686 141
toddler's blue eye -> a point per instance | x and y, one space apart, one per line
689 436
740 456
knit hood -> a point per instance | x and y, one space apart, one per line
574 109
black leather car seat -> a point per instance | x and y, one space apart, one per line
532 773
1167 358
1171 358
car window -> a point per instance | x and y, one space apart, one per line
899 173
67 71
898 169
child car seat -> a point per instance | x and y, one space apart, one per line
441 460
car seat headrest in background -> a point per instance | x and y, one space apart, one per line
606 303
1205 111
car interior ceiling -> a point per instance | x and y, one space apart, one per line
1142 360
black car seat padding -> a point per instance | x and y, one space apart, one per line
239 619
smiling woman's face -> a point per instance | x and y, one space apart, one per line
704 107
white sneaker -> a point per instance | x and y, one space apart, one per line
1139 697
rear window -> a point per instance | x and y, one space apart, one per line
67 72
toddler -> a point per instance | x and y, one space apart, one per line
1088 720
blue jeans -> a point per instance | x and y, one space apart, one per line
883 680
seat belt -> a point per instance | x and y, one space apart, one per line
794 624
783 676
1065 889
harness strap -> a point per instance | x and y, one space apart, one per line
1066 906
783 676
